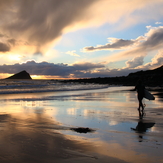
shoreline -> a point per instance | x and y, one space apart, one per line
89 126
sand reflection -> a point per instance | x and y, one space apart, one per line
34 137
38 128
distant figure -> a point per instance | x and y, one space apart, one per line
140 90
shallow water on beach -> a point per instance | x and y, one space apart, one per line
118 132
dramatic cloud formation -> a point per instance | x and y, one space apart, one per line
151 41
34 29
40 22
82 70
50 69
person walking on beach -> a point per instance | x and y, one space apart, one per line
140 94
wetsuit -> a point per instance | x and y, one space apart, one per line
140 90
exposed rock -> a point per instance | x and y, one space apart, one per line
82 129
20 75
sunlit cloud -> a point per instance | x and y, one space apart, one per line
115 44
30 42
59 17
113 123
42 28
50 69
72 111
135 62
73 53
81 69
156 61
158 23
151 41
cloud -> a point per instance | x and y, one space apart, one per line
135 62
143 45
158 23
87 66
4 47
50 69
156 61
152 41
40 23
73 53
82 70
115 44
12 41
154 38
31 27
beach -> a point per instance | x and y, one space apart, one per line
40 127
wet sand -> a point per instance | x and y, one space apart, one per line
39 127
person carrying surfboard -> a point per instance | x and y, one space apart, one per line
140 88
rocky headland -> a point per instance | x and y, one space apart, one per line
21 75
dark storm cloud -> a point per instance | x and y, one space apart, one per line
41 21
87 66
116 44
82 70
51 69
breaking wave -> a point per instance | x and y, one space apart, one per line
34 86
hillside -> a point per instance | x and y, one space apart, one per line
149 77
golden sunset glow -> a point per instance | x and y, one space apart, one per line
75 40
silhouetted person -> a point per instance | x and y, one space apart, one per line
140 94
141 114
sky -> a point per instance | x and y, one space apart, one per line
62 39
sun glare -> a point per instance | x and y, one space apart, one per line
37 77
14 57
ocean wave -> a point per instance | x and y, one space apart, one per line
35 86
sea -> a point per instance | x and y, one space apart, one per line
49 107
34 86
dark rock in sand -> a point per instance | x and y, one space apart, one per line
20 75
82 130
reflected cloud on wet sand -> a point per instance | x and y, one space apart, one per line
35 137
40 130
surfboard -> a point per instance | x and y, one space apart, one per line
148 95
